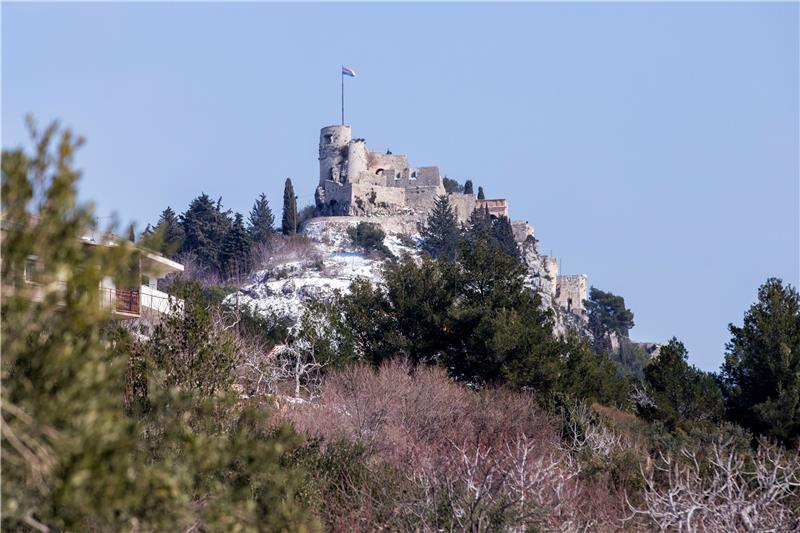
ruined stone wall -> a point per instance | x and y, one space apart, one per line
551 266
371 178
417 177
390 224
463 205
497 206
571 291
421 199
376 160
374 199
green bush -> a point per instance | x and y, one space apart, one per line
370 237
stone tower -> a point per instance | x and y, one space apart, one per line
333 141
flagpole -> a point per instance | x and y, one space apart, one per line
342 74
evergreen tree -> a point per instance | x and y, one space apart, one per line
173 232
167 236
440 235
205 226
235 252
289 221
451 185
502 237
479 226
607 314
761 373
591 377
680 392
481 196
499 331
468 187
261 221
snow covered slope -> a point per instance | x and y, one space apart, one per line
328 264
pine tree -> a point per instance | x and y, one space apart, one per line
235 252
607 314
289 221
680 392
261 220
169 232
481 196
761 373
468 187
205 226
440 235
502 237
479 226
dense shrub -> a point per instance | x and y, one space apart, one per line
479 461
370 237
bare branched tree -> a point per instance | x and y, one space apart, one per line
725 491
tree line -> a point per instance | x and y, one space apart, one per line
221 242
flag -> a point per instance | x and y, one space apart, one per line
348 72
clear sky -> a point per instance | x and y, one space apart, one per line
653 146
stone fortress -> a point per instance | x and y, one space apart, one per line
355 182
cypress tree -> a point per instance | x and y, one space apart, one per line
260 221
468 187
502 237
289 222
440 235
481 196
235 253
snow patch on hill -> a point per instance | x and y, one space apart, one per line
287 285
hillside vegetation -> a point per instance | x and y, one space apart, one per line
434 397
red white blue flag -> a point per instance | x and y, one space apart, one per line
348 72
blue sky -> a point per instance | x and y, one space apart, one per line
653 146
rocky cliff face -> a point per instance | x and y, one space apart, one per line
329 263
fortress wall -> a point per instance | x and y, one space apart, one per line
338 192
356 159
463 205
418 177
376 160
497 206
368 198
370 178
391 224
551 266
571 291
421 199
427 176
